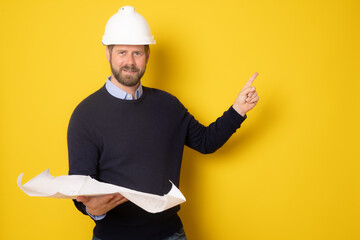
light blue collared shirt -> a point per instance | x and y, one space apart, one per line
119 93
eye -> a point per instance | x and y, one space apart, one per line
138 53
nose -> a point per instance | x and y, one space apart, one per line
130 60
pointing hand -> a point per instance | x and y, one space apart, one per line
247 98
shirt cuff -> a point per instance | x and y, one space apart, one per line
96 218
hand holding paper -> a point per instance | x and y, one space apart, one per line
73 186
99 205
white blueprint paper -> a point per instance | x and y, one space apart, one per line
71 186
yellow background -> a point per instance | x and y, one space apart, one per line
291 171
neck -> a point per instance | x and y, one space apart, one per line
130 90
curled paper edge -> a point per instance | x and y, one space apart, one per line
149 202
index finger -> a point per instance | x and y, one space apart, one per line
251 80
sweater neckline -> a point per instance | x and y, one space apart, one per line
134 101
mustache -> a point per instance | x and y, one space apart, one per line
129 68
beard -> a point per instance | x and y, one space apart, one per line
129 80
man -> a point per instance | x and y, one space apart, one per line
133 136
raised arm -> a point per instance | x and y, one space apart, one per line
209 139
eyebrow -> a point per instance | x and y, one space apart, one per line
123 50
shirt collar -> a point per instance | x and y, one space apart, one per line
119 93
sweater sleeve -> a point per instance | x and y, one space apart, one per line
83 152
209 139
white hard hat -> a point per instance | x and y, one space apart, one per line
127 27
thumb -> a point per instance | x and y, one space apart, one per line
246 91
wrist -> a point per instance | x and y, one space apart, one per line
238 110
95 216
93 213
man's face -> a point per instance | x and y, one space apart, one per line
128 63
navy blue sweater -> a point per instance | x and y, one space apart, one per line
139 145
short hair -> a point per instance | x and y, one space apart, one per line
147 47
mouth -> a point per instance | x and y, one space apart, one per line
129 71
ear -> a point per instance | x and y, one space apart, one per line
148 55
107 52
